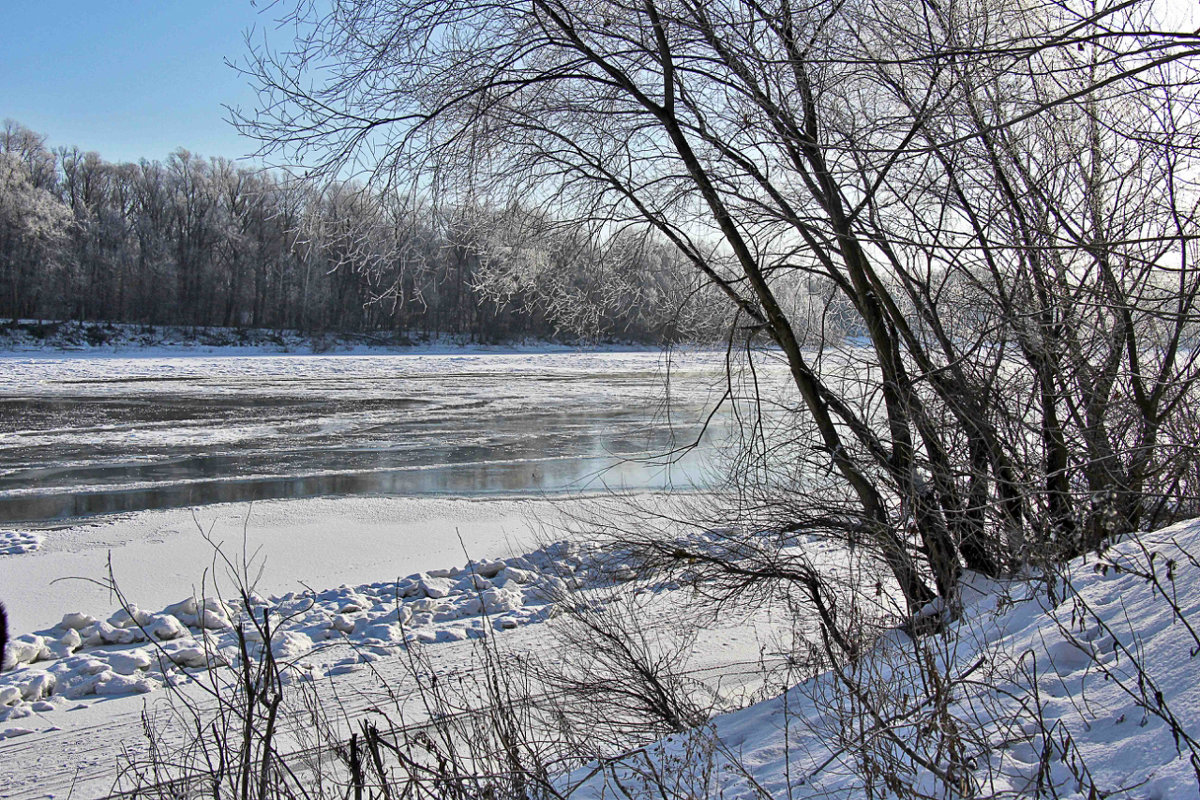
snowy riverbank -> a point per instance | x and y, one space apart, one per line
127 339
392 573
137 650
1077 688
1084 681
159 557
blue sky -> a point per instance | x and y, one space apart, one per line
130 79
137 79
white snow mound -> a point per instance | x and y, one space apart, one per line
136 650
1082 686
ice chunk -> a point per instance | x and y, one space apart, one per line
437 588
519 575
67 644
41 685
129 662
110 634
398 614
77 621
408 587
500 600
211 614
473 583
165 627
71 639
290 645
213 619
129 618
187 607
90 666
123 684
194 656
489 569
28 648
382 632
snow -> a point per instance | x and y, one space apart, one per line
1087 681
17 542
158 557
1087 678
81 656
73 705
1071 681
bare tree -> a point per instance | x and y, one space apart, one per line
997 192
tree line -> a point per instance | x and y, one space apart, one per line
209 242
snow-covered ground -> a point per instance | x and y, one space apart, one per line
1086 680
1060 686
1086 686
159 557
71 706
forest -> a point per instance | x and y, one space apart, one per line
199 241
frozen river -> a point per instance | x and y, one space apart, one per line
102 434
368 468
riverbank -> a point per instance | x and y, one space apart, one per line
353 584
128 339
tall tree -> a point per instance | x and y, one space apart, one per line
950 171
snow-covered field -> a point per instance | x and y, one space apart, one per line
159 557
1088 680
71 709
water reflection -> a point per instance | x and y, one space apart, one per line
472 479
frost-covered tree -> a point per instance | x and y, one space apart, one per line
209 242
34 223
993 197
